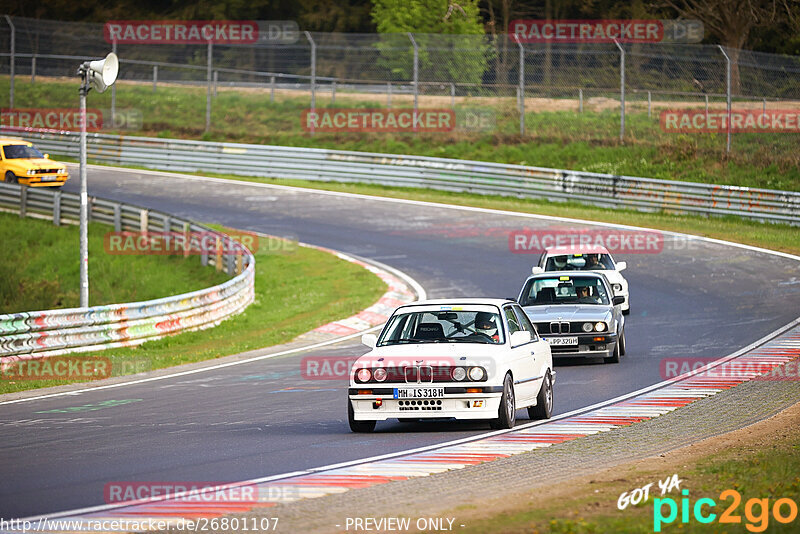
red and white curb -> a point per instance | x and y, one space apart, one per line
745 365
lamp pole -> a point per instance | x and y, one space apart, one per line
84 217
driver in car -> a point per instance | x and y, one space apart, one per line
484 324
582 293
592 262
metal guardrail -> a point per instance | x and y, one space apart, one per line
603 190
47 333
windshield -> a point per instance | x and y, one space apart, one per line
581 262
458 326
20 152
564 290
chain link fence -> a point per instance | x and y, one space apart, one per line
595 92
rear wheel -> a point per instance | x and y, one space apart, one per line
358 426
11 178
507 412
544 400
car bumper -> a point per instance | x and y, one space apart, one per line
587 347
452 405
44 181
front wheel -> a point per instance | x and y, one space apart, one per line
358 426
544 400
621 342
507 412
614 358
11 178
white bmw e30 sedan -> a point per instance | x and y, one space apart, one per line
465 359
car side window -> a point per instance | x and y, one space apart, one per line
513 324
526 323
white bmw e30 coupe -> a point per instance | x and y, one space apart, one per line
465 359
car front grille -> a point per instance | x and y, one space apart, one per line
45 171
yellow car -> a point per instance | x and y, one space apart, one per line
21 162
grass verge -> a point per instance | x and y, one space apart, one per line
297 289
556 135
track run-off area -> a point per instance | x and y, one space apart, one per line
690 298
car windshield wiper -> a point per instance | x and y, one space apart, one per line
408 340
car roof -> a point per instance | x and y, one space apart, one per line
462 301
14 141
576 249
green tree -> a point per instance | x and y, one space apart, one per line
449 34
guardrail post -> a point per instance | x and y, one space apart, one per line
239 263
155 77
144 221
621 90
313 75
230 258
218 257
166 225
728 93
333 92
117 218
210 56
23 201
57 208
12 61
416 71
187 244
272 88
33 70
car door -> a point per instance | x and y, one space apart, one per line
522 363
538 350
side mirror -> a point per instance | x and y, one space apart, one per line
618 300
370 340
520 337
621 266
537 270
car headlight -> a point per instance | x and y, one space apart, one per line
587 327
458 373
380 374
599 327
476 373
363 375
29 171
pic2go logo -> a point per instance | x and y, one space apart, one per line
756 511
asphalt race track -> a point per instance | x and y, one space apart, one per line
691 299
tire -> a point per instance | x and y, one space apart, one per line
621 343
614 358
626 312
11 178
544 400
408 420
507 412
358 426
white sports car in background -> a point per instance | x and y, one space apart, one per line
587 258
465 358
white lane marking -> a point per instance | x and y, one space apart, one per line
416 286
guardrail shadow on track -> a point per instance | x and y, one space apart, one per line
47 333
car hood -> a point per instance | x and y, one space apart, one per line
431 353
38 163
568 312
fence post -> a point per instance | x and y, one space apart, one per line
521 88
416 70
333 92
57 208
649 103
580 100
728 92
764 107
389 95
210 57
272 88
621 90
452 95
33 70
216 81
114 91
23 201
313 75
155 77
12 60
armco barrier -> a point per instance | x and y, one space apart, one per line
436 173
48 333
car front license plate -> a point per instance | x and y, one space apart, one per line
418 393
49 178
562 340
